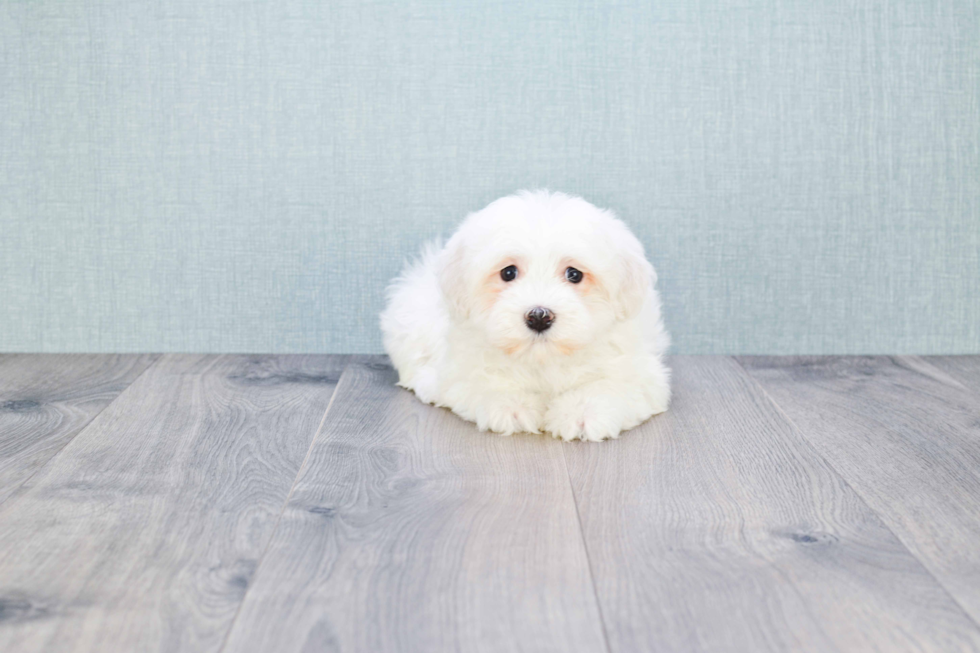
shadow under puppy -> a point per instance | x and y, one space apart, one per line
539 314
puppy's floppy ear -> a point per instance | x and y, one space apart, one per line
636 276
453 277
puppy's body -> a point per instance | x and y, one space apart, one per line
463 337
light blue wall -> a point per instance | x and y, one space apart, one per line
246 176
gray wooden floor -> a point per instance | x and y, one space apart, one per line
303 503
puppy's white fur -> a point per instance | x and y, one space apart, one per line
456 331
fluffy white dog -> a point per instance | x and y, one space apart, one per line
539 314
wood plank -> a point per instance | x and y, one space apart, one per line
966 369
716 526
144 532
906 436
409 530
46 399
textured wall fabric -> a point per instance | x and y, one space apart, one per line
214 175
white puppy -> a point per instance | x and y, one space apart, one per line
539 314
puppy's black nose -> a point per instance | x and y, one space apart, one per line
539 319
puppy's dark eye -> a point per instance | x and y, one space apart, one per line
573 275
509 273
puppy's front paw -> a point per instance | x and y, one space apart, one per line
594 415
509 414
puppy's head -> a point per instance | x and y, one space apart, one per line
543 273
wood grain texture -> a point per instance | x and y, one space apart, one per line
966 369
408 530
716 526
906 436
144 532
46 399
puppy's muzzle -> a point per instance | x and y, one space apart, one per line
539 319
